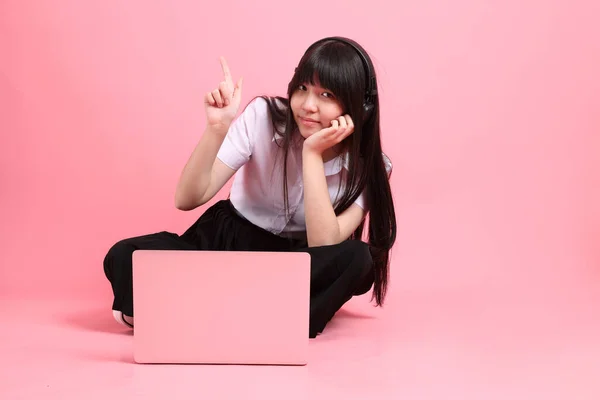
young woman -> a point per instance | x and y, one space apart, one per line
308 169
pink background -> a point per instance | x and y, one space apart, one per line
489 112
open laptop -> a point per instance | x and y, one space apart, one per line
221 307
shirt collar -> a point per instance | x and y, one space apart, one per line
296 139
335 165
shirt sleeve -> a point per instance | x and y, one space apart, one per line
361 200
238 144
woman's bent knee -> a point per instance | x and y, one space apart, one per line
359 255
119 251
117 256
360 264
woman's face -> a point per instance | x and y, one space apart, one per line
314 108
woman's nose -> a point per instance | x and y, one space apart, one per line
310 103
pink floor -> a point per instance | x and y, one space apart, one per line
485 343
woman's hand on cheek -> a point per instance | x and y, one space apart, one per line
326 138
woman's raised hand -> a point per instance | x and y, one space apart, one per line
222 104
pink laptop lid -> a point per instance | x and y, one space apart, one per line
216 307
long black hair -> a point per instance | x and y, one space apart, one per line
337 67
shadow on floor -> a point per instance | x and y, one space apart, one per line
101 320
97 319
350 314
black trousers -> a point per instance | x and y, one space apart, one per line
338 272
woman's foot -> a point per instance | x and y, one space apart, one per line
123 319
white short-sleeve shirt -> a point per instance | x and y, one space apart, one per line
250 148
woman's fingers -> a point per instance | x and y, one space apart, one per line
237 92
349 122
226 92
226 72
210 99
346 127
223 95
217 96
226 86
343 135
220 97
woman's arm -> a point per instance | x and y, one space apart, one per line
323 227
204 174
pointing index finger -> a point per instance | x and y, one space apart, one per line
226 71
